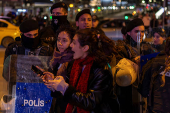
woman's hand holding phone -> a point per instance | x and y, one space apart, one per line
58 84
46 76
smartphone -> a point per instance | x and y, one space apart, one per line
36 70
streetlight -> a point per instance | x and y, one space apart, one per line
71 5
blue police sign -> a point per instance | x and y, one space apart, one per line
32 98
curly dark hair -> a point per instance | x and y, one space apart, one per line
69 30
102 48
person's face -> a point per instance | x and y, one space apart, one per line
32 34
133 33
95 23
58 12
85 21
158 40
79 52
63 41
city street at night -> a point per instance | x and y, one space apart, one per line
84 56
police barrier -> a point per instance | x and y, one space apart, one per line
26 91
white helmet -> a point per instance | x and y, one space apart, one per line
127 72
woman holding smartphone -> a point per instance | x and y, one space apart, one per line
89 88
58 65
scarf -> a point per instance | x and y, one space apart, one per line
81 84
60 58
30 43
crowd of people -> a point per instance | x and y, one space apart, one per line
18 19
83 75
150 21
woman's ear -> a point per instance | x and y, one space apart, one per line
85 48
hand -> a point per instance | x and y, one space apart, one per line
40 69
47 76
39 74
58 84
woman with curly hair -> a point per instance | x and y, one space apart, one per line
62 53
89 87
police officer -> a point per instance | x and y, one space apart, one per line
29 43
59 13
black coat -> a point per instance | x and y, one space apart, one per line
57 105
18 48
149 72
150 84
128 102
99 98
159 48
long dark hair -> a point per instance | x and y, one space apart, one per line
100 46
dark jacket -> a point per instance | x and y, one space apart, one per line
128 102
159 48
66 24
146 48
47 36
128 48
17 48
150 70
99 98
150 83
57 105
